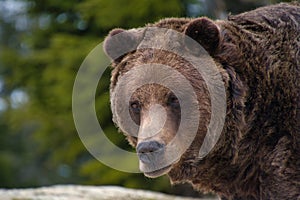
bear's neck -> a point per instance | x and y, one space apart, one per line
220 170
223 167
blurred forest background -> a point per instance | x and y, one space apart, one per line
42 44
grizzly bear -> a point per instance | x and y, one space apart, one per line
257 54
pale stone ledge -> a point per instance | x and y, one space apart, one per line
75 192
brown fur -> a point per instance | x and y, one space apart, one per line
258 55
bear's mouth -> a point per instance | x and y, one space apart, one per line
159 172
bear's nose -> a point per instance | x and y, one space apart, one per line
147 150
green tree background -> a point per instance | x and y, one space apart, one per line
42 44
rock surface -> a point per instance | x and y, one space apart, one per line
72 192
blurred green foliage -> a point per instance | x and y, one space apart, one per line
42 45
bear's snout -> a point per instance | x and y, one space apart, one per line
148 150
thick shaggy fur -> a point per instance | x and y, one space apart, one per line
258 53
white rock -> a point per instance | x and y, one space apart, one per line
76 192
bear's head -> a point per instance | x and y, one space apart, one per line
155 89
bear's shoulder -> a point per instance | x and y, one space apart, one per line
274 16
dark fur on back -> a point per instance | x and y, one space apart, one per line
258 153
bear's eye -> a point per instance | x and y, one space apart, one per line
173 101
135 107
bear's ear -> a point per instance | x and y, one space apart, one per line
120 42
205 32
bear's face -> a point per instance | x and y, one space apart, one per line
154 108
